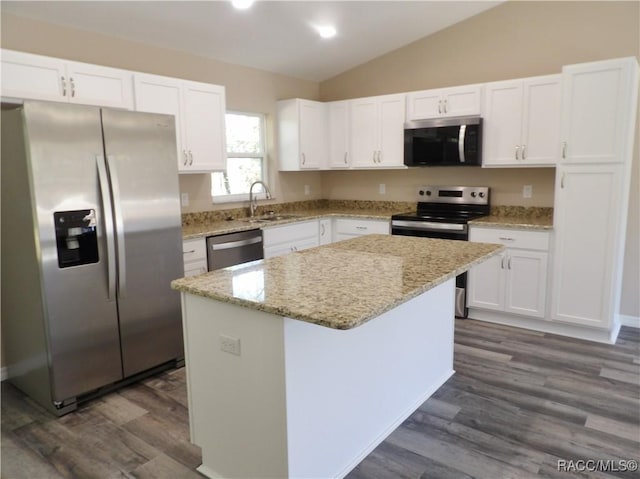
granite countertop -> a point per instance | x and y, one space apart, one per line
517 217
208 228
344 284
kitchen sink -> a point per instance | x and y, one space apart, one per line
270 218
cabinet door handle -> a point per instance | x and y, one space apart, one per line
73 87
191 251
186 158
517 149
361 228
190 158
322 230
564 149
379 156
304 158
524 152
440 106
509 263
64 86
562 180
345 157
505 238
445 106
502 262
374 156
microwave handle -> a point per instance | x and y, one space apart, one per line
461 138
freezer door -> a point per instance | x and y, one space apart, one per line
141 156
64 143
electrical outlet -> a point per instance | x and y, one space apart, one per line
184 199
307 190
229 344
382 189
527 191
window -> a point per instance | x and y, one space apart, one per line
245 158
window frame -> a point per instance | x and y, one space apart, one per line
239 197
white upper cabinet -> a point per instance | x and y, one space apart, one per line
338 117
199 110
522 122
302 134
456 101
376 131
37 77
595 111
204 126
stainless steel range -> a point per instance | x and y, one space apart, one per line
444 212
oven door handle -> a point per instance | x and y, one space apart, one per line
461 138
427 225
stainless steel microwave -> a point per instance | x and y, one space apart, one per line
443 142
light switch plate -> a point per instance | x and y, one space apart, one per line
382 189
527 191
307 189
184 199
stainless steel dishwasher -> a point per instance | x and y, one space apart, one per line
233 248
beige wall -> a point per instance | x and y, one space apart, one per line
516 39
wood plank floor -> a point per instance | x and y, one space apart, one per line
519 402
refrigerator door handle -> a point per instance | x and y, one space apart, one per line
119 226
108 226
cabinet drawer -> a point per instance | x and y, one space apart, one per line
290 233
513 238
194 250
361 227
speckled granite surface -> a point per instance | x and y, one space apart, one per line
520 217
208 223
344 284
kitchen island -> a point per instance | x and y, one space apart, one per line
300 365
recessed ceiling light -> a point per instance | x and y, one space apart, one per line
326 31
242 4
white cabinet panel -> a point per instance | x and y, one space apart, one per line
338 112
588 203
456 101
194 255
302 134
204 126
350 228
279 240
199 110
38 77
376 129
522 122
595 110
515 281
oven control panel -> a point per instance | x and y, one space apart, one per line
470 195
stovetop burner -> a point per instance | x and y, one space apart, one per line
452 204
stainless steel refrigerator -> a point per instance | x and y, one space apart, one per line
91 239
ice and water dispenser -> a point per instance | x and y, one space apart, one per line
76 237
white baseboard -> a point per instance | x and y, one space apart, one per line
631 321
3 374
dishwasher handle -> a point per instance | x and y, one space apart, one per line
236 244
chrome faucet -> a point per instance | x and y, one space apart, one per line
253 201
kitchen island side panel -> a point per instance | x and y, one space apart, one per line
302 400
347 390
236 402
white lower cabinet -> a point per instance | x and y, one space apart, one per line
326 231
349 228
194 255
279 240
516 281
